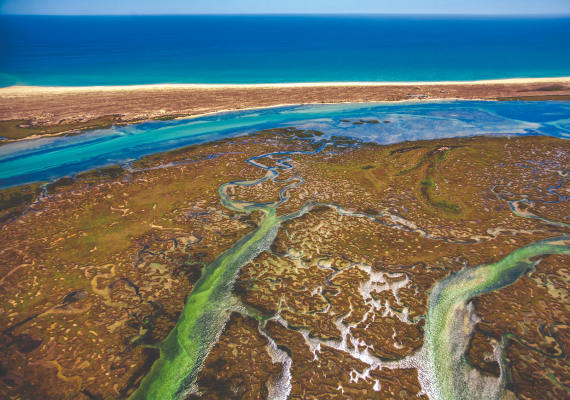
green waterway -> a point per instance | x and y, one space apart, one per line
205 313
185 348
450 296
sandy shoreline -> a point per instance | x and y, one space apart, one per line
18 90
69 107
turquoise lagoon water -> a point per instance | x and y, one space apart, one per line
79 51
45 159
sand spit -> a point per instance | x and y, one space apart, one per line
48 106
21 90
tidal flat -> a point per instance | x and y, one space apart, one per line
290 264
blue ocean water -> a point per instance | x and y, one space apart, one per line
52 158
107 50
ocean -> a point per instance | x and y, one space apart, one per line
127 50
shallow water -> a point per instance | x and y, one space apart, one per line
51 158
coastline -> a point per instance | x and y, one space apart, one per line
20 89
51 111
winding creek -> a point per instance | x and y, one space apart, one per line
450 321
444 373
207 309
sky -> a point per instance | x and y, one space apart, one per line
142 7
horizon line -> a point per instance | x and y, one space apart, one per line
561 15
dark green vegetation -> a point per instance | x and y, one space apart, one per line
167 118
111 172
14 200
62 182
362 121
20 129
292 132
552 88
428 188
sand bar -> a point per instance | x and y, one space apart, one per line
48 106
22 90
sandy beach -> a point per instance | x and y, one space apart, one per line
20 90
49 106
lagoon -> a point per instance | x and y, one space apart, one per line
38 160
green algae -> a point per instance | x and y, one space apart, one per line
451 295
186 347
